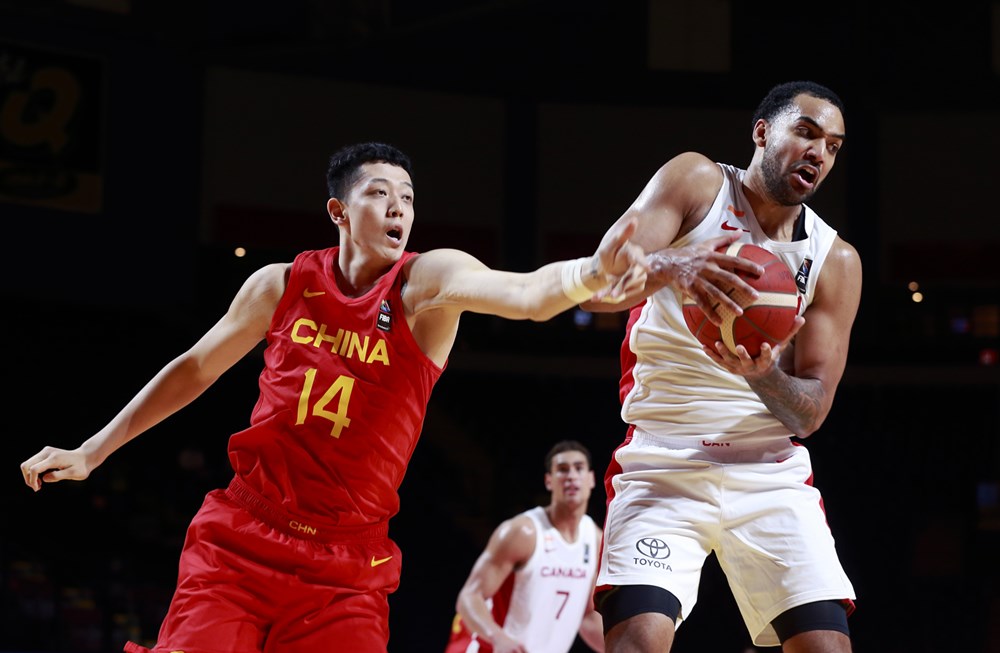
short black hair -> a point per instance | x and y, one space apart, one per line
345 164
780 97
565 445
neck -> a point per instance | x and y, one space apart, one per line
357 274
777 221
565 518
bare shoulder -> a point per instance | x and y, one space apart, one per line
685 184
518 527
843 262
691 170
263 289
840 281
434 278
843 253
514 538
442 261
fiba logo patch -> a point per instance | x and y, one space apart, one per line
802 276
384 321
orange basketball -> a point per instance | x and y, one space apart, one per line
768 319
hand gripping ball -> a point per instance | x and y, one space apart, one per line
768 319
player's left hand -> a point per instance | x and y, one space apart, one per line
741 363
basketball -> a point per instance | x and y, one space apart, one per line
768 319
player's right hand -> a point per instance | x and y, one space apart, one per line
503 643
705 274
622 262
51 465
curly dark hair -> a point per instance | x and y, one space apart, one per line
345 164
780 98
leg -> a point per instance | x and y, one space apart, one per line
819 627
638 619
818 641
644 633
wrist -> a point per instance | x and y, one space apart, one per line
582 278
662 268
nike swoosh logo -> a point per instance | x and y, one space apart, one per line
376 563
312 293
728 227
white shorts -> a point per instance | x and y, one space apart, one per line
671 504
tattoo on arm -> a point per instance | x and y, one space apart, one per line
797 403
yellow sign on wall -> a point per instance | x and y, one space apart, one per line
51 128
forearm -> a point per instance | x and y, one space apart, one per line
557 287
174 387
797 403
592 631
477 616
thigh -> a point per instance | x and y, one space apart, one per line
219 603
339 595
827 641
244 587
777 549
341 620
644 632
661 521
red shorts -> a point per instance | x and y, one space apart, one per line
251 580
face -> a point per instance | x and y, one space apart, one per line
800 148
570 479
377 213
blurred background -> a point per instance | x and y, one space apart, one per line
154 153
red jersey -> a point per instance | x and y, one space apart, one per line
343 397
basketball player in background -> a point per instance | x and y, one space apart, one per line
709 463
531 589
294 556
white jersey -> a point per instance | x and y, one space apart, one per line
667 388
551 591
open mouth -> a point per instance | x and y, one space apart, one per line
808 174
395 234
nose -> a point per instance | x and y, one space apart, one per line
395 208
816 151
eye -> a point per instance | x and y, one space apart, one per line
834 148
408 198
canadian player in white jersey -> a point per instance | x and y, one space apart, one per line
531 589
713 459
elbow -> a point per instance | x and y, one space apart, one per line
461 604
808 425
803 432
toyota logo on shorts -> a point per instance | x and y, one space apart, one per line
654 548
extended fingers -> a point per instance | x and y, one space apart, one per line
737 264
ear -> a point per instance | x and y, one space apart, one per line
548 481
759 134
337 211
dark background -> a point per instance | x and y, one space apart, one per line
142 142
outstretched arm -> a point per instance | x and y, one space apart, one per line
510 545
674 201
175 386
449 279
